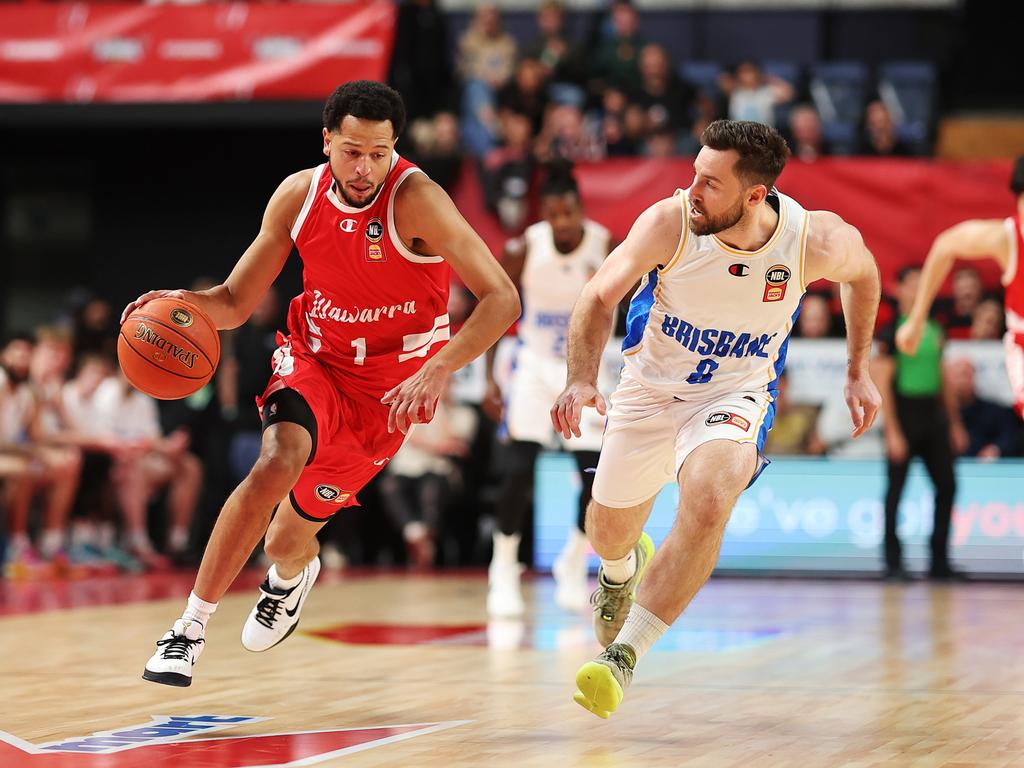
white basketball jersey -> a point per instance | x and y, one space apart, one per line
716 319
552 281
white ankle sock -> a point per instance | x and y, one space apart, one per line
178 539
619 571
278 583
50 542
198 609
641 630
576 544
506 549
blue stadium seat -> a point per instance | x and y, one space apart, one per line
786 70
702 75
908 90
839 90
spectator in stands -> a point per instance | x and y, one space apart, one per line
921 419
815 320
436 148
662 142
635 126
486 60
805 136
560 58
616 61
568 135
793 430
420 68
991 428
880 139
526 93
50 471
988 321
753 94
613 124
968 291
145 463
668 100
420 478
506 171
95 330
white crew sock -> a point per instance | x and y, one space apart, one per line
106 535
576 544
278 583
178 539
83 534
198 610
641 630
619 571
506 549
50 542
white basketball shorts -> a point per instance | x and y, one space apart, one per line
650 433
534 385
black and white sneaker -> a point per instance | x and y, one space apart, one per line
176 652
276 615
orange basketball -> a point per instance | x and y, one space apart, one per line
168 348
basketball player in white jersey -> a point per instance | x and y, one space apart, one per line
550 264
724 265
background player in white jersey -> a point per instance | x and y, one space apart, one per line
724 265
998 239
550 264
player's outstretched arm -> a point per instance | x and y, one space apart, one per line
836 252
652 240
971 239
229 304
428 221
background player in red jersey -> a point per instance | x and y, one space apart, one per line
999 239
365 358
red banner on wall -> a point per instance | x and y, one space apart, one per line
899 205
84 52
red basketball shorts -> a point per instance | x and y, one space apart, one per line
352 443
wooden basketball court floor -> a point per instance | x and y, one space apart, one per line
396 669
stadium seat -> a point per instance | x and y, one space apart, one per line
908 90
702 75
839 91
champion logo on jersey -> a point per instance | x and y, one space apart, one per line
739 270
331 494
775 280
348 225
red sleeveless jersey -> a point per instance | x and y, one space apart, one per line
1013 278
371 311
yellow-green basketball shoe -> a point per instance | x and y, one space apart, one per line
602 682
612 601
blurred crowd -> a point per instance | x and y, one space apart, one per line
513 104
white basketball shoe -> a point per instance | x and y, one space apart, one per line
276 615
570 572
176 653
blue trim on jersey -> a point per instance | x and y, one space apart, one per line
773 385
639 312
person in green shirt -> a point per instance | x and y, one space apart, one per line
921 419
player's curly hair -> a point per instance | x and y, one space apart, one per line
367 100
762 150
559 179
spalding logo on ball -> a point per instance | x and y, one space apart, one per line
168 348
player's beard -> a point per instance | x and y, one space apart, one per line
356 203
710 225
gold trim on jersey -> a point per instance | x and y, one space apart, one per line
683 203
779 229
803 249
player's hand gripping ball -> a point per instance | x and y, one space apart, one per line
168 348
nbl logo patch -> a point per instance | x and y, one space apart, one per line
331 494
724 417
775 280
181 317
374 250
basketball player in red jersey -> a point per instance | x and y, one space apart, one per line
999 239
365 359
